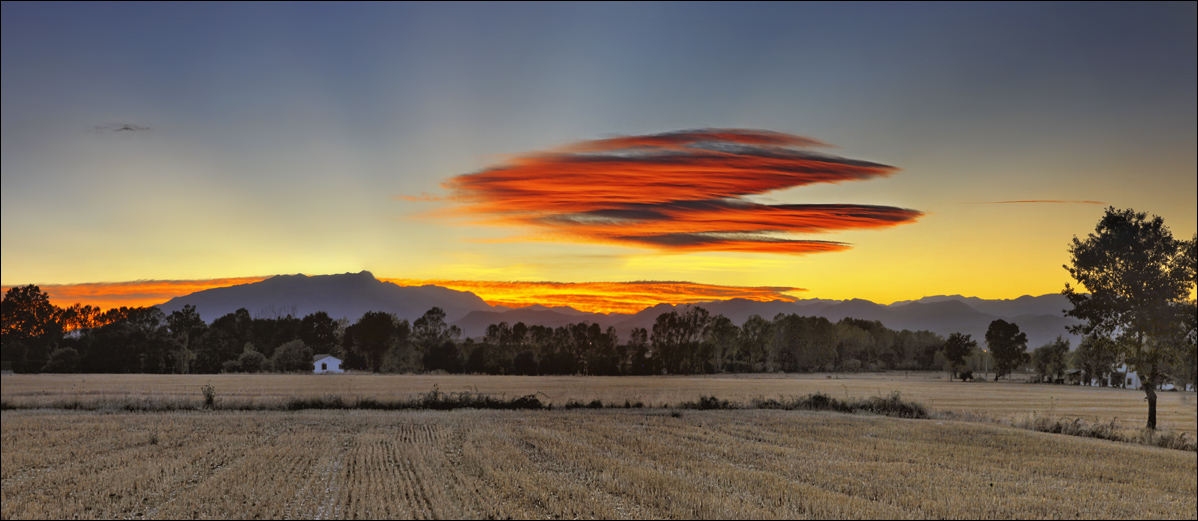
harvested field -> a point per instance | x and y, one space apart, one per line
568 464
1002 400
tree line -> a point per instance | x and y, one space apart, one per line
41 337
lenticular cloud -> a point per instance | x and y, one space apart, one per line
678 191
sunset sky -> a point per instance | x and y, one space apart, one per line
876 151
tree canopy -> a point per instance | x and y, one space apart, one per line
956 348
1007 345
1137 279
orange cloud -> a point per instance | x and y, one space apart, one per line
107 295
603 297
675 191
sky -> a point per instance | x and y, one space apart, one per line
884 151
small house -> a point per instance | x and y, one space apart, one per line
326 364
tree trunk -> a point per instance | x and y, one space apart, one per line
1150 391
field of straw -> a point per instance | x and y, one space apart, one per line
570 464
1006 400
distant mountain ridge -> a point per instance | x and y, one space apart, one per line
350 295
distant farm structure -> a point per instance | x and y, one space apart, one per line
326 364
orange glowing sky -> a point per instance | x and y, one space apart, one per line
107 295
599 297
603 297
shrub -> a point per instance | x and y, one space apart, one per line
209 395
892 405
292 356
708 403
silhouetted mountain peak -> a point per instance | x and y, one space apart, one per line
348 295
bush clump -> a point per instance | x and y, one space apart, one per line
707 403
892 405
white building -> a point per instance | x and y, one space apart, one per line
1132 380
326 364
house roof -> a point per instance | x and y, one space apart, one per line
318 358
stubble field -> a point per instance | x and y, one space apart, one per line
603 463
570 464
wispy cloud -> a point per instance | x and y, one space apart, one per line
424 197
120 127
679 191
604 297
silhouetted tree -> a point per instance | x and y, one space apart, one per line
722 336
852 345
293 356
272 331
640 359
63 360
138 342
29 328
319 331
26 312
79 317
444 357
1007 345
916 349
430 330
372 336
601 357
676 338
1096 359
187 327
802 344
1049 360
251 360
525 363
1137 279
956 348
756 334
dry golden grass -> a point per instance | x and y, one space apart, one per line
570 464
1003 400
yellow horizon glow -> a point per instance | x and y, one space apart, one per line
597 297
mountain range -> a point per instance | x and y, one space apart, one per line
350 295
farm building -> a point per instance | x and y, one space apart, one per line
326 364
1073 377
1133 380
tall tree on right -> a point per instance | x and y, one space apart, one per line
1137 280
